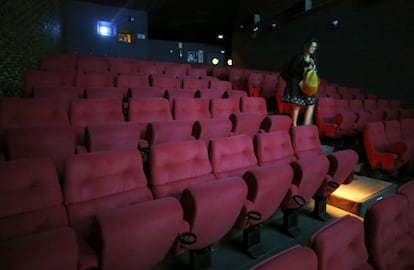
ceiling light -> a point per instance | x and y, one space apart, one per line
215 61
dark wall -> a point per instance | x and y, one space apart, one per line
29 31
81 30
371 49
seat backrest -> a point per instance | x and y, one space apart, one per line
207 129
306 142
94 111
191 109
407 190
132 80
57 62
169 131
407 127
375 139
112 136
219 84
276 122
88 63
56 143
102 180
232 156
36 78
209 93
388 239
253 104
165 81
170 163
145 110
224 107
30 197
293 258
275 146
248 123
195 83
340 245
106 92
95 79
393 131
146 91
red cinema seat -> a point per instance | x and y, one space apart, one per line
95 182
84 112
222 85
340 245
238 78
191 109
92 64
306 144
165 81
132 80
207 129
234 93
170 176
95 79
59 62
254 82
38 78
146 92
232 156
110 92
293 258
388 235
407 190
269 85
163 131
209 93
197 72
173 93
34 231
224 107
123 66
176 70
115 136
381 154
195 83
65 94
376 112
331 121
253 104
363 117
276 122
248 123
56 143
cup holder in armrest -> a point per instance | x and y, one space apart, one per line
299 200
187 238
333 185
253 215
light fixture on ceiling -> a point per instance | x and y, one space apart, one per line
334 25
215 61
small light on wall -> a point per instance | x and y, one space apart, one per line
274 26
334 25
220 36
230 62
104 28
215 61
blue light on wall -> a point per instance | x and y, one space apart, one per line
104 28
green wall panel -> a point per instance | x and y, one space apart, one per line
29 30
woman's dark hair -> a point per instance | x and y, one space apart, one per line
309 42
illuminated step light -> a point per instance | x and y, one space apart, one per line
105 29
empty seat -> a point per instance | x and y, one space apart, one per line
176 70
196 83
59 62
248 123
388 237
65 94
94 182
207 129
56 143
209 93
306 144
254 82
340 245
224 107
276 122
162 131
132 80
123 66
165 82
235 93
253 104
94 79
363 117
197 72
407 190
142 91
110 92
112 136
32 217
173 93
232 156
191 109
88 64
371 106
294 258
222 85
36 78
94 111
238 78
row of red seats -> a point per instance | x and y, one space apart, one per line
336 118
389 146
383 240
232 161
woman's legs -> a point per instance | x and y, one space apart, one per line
309 114
295 114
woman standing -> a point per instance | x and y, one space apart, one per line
293 94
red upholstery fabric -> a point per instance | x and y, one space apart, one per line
363 117
377 114
404 147
389 242
145 110
267 187
254 82
32 216
274 147
377 148
223 108
175 166
116 136
94 111
340 245
276 122
207 129
407 190
36 78
253 104
155 225
59 62
212 207
177 69
165 81
169 131
219 84
248 123
294 258
56 143
209 93
94 79
173 93
235 93
97 181
146 92
123 66
191 109
132 80
195 83
106 92
87 64
232 155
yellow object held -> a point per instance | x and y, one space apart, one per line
310 83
